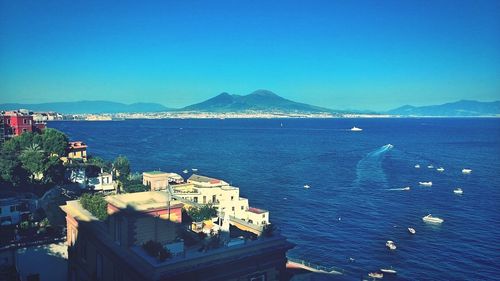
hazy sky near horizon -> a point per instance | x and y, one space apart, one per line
338 54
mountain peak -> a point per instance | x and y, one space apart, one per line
263 93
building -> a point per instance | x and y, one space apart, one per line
76 150
112 249
14 123
102 183
226 198
15 208
158 180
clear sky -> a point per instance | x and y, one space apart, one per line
335 53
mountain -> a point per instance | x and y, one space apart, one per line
82 107
454 109
260 100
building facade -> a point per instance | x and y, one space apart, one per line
111 249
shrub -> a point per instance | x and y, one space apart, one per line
203 213
96 205
156 250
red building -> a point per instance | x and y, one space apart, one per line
15 123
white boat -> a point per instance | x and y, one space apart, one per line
185 171
390 244
405 188
356 129
194 170
440 169
430 166
429 218
458 190
376 275
306 186
466 171
417 166
425 183
412 230
388 270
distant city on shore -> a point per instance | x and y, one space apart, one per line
259 104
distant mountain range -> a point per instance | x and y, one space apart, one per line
454 109
260 100
82 107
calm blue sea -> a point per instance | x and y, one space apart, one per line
350 176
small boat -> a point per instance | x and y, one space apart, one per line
458 190
411 230
356 129
185 171
194 170
425 183
306 186
417 166
388 270
429 218
440 169
430 166
377 275
390 244
466 171
405 188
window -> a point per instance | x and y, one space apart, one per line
195 199
232 198
263 215
118 231
25 121
25 130
204 199
232 208
214 198
84 250
242 207
99 267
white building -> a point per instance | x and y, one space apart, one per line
103 183
226 198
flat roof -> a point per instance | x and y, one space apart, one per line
155 173
256 210
142 201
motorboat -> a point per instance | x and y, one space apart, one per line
185 171
194 170
417 166
405 188
306 186
377 275
411 230
466 171
429 218
458 190
440 169
356 129
425 183
430 166
390 244
388 270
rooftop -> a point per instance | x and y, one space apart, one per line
142 201
76 144
155 173
204 179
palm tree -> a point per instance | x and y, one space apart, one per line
32 158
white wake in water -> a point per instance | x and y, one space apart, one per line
369 169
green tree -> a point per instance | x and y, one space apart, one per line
32 159
121 168
54 142
202 213
96 205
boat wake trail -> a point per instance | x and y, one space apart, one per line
369 169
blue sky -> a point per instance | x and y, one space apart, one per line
338 54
